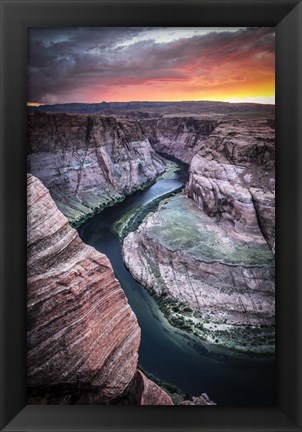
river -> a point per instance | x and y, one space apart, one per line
168 353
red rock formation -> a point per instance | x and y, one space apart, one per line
210 255
213 281
83 337
233 176
89 162
143 391
81 329
179 136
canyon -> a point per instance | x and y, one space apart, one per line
83 337
89 162
206 253
178 136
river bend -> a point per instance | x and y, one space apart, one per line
168 353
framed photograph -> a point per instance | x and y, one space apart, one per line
140 140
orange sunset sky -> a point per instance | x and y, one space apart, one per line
151 64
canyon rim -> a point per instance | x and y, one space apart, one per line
151 216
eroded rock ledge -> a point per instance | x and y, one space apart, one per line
208 256
83 337
209 279
233 177
179 136
89 162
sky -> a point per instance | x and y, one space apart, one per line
95 64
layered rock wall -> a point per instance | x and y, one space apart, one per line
210 280
181 137
208 256
143 391
83 337
233 177
89 162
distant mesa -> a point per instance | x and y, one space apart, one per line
196 107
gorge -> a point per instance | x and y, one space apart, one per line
89 162
200 239
210 248
83 337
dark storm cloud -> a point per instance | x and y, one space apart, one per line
62 62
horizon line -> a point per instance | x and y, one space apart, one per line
37 104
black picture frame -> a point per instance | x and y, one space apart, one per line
16 16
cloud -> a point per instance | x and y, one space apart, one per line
89 63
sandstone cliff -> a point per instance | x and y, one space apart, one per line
89 162
178 136
208 256
143 391
83 337
233 176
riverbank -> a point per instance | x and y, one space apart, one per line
171 355
112 202
176 394
239 340
170 170
132 220
190 265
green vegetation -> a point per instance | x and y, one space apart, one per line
92 204
206 325
77 216
92 211
237 338
171 168
180 226
132 220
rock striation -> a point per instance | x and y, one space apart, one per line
89 161
83 337
143 391
178 136
233 176
210 280
208 255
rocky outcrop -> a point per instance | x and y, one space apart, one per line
199 400
209 279
143 391
208 256
83 337
180 137
89 162
233 177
